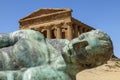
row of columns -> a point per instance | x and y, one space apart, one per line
59 35
71 31
79 29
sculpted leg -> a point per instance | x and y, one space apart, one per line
44 73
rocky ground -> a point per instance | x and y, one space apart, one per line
109 71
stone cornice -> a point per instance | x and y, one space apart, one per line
46 18
50 24
46 11
46 15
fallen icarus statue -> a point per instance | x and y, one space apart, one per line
27 55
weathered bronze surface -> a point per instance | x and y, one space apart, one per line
27 55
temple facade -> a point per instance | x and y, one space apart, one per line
54 23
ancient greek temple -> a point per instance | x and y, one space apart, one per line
54 23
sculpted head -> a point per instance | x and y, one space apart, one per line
91 48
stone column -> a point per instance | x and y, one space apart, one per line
84 29
76 30
48 33
80 30
69 31
59 33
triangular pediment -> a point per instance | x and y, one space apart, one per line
45 11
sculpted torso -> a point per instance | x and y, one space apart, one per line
27 55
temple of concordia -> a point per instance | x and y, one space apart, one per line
54 23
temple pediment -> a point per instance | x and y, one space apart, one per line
45 12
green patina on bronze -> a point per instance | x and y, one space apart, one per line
27 55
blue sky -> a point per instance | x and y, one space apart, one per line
100 14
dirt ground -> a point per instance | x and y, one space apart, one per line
109 71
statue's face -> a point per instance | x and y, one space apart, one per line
92 48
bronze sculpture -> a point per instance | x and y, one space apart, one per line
27 55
